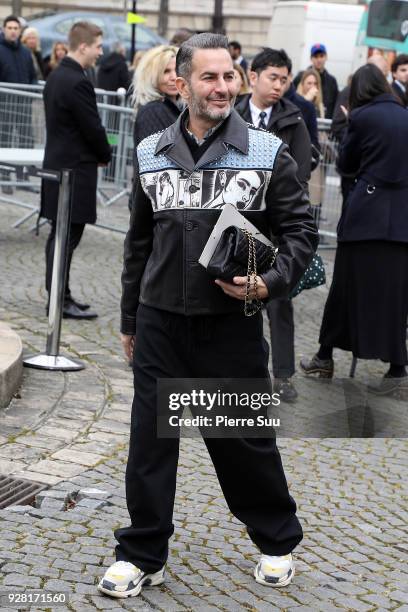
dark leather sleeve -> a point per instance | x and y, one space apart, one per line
86 114
138 246
292 224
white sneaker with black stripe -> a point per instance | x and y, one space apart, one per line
275 571
123 579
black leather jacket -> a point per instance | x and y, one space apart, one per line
177 202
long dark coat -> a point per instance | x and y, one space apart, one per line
374 151
75 139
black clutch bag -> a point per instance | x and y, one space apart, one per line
239 253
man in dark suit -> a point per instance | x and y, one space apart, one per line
75 139
267 108
399 70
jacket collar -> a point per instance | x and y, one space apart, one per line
71 63
8 43
377 100
233 132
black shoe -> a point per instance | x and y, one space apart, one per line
71 311
286 390
80 306
323 367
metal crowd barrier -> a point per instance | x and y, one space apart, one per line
22 142
22 126
324 187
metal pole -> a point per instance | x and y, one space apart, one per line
17 7
59 270
163 18
133 45
52 360
353 367
218 19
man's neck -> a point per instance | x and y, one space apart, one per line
78 59
256 101
199 126
12 43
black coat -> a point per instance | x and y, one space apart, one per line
113 72
16 63
308 111
154 117
401 95
375 150
340 121
287 123
75 139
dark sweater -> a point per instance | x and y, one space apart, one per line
16 63
154 117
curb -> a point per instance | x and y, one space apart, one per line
11 363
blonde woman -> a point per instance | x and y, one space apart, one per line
310 87
154 92
58 52
31 39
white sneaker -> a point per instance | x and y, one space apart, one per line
123 579
275 571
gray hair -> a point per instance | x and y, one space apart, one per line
206 40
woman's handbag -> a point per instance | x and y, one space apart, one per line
314 276
239 253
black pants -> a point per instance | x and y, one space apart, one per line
75 235
282 329
250 471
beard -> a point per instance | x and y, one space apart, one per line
200 108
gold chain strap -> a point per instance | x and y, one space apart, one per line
253 305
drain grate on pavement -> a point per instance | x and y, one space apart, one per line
15 491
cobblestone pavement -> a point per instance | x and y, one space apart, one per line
70 431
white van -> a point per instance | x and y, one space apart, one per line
296 26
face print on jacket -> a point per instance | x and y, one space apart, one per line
164 191
236 187
175 189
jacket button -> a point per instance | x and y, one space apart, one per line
189 226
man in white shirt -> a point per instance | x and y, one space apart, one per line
267 109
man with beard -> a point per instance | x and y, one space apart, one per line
179 322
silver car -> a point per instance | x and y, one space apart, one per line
55 28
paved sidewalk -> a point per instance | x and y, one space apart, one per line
70 431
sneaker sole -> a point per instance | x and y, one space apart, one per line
322 373
275 585
147 581
392 390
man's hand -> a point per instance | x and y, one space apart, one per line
237 289
128 344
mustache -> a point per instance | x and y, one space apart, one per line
220 97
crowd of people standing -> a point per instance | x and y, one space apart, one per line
270 97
